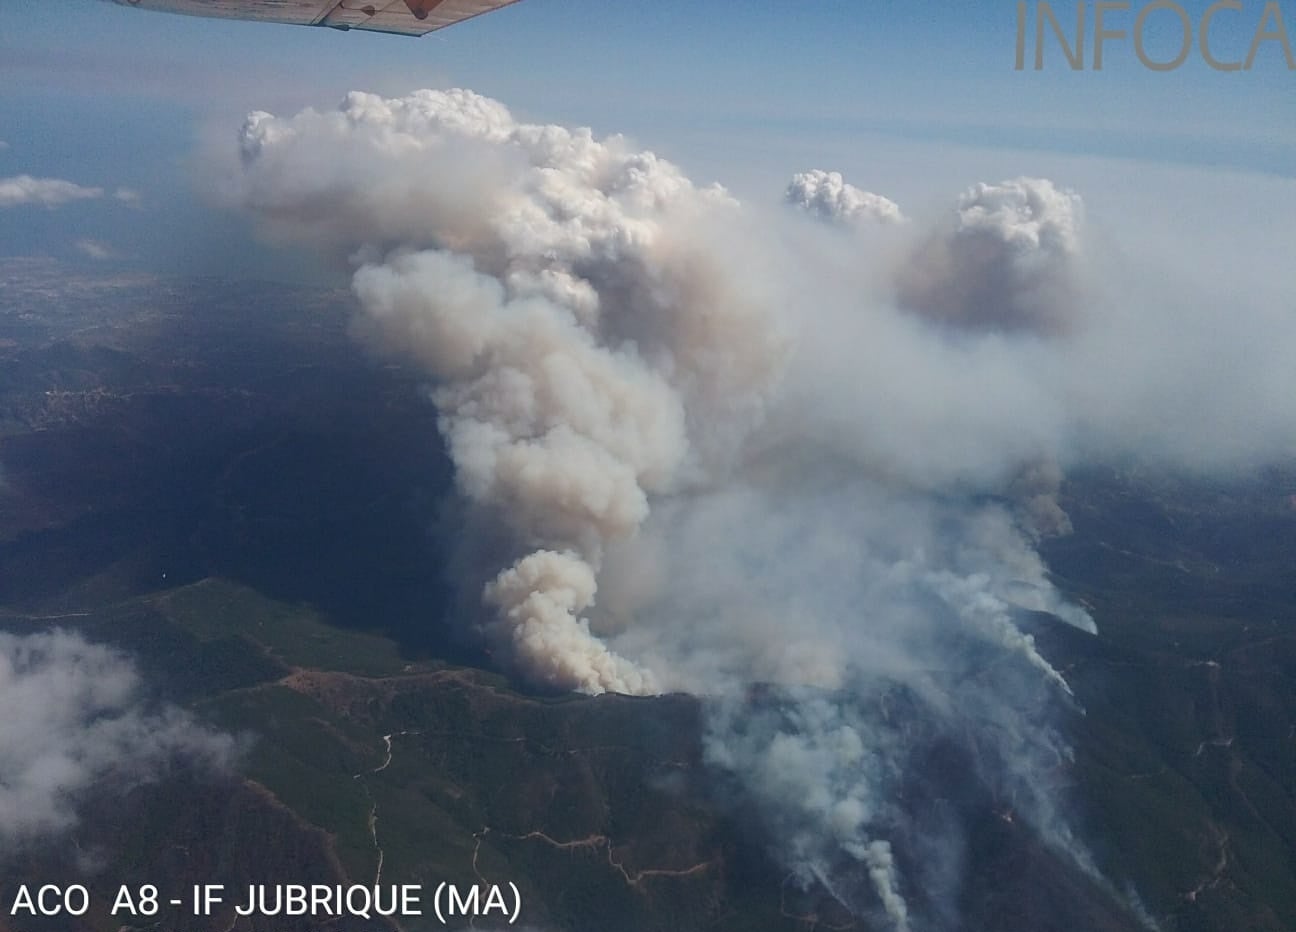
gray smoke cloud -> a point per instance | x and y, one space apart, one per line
76 722
830 197
1004 259
1035 491
884 624
727 452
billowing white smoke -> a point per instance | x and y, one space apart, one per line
540 602
873 614
824 784
75 720
815 574
575 302
1005 259
720 456
828 196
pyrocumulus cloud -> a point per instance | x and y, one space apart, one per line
1004 259
828 196
589 348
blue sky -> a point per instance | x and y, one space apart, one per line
915 99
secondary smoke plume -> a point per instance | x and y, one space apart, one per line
1005 259
828 196
795 478
76 720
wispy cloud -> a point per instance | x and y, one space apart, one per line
95 249
20 190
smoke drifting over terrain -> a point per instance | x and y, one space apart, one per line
713 456
83 723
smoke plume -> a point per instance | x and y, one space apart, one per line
77 721
829 197
1004 259
571 297
725 452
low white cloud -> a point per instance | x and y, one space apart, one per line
19 190
75 721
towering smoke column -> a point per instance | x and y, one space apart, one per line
574 301
603 340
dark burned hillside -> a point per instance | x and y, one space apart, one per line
212 477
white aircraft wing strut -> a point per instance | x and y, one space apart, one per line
406 17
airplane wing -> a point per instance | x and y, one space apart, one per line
405 17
